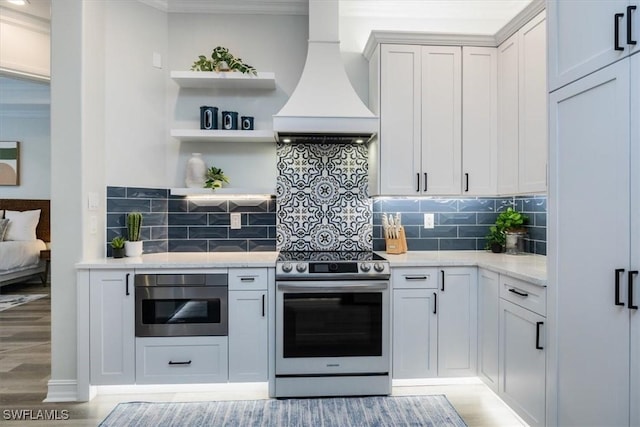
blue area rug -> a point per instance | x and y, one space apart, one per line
327 412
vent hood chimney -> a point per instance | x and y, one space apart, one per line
324 107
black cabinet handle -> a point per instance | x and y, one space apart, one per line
630 40
618 271
263 305
435 303
171 362
631 305
418 183
442 274
425 181
616 29
127 284
522 294
247 279
466 185
538 346
408 278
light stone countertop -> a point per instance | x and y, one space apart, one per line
529 267
186 260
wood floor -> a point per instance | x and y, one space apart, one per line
25 365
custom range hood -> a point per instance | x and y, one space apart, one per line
324 107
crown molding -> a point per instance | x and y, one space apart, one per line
526 15
244 7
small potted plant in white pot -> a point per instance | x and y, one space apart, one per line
133 246
117 246
512 221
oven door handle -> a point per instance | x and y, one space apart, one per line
329 288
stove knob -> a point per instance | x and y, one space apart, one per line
287 267
301 267
365 267
379 267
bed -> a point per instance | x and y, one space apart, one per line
25 259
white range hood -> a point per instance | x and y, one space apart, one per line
324 107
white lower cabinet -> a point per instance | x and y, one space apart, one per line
522 358
185 360
111 327
434 326
488 327
457 322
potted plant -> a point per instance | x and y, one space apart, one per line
133 246
511 223
214 178
222 60
117 246
495 240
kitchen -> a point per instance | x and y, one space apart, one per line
89 246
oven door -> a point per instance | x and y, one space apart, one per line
332 327
167 311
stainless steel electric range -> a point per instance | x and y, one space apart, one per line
332 324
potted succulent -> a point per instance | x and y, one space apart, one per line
222 60
133 246
214 178
511 223
117 246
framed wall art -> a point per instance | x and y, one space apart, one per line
9 163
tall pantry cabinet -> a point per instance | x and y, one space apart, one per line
594 214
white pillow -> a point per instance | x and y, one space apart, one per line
22 224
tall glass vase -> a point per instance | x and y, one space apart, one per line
196 170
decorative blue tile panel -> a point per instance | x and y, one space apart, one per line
147 193
228 246
262 245
190 245
322 193
208 232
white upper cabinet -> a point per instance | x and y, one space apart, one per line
532 102
508 121
441 119
585 36
479 121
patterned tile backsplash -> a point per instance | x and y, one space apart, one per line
180 224
460 223
323 201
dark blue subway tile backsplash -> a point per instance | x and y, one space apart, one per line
179 224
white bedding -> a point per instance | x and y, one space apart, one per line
20 254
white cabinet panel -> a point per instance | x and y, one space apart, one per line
415 333
441 76
532 111
581 37
522 362
112 327
400 104
479 120
488 327
590 148
508 120
635 241
248 336
457 322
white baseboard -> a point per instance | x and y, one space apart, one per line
436 381
182 388
62 391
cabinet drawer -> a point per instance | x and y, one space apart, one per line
248 279
526 295
414 278
169 360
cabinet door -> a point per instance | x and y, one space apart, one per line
635 236
589 159
522 362
581 38
112 327
400 120
532 111
457 322
480 113
415 333
488 327
441 77
508 121
248 336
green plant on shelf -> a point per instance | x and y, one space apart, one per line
117 242
215 177
222 60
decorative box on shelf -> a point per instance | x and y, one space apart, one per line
224 80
